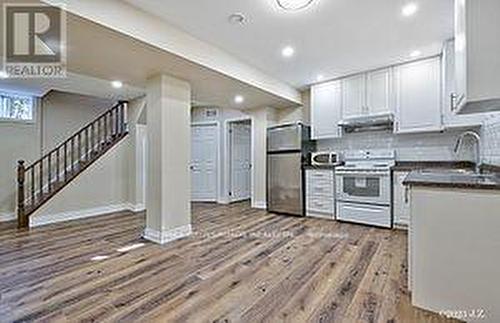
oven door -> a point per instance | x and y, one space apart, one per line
364 187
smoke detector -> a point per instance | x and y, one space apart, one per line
237 19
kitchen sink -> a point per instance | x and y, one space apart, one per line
467 175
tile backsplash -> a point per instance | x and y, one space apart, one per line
491 140
408 147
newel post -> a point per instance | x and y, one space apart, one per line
22 219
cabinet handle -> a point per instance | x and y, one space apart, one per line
455 100
407 191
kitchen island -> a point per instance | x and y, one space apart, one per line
454 243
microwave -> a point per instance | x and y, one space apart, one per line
325 158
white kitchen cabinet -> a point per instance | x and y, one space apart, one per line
459 83
354 96
450 118
326 110
401 206
477 63
454 251
379 94
320 193
418 96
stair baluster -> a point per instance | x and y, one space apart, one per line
111 127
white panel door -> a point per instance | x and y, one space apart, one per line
418 96
378 91
354 96
326 110
240 159
203 163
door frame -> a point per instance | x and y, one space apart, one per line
227 160
217 153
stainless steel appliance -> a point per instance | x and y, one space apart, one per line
287 149
383 121
363 188
325 158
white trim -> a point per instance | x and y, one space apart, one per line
218 176
227 170
141 144
167 236
7 216
36 221
141 207
259 205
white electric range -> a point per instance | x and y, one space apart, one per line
364 187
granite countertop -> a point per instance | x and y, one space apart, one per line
454 178
408 166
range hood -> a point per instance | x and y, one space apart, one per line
383 121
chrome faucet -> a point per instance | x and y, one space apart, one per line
477 137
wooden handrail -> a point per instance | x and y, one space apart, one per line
77 152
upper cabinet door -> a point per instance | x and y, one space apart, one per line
418 96
326 110
354 96
378 91
477 62
459 87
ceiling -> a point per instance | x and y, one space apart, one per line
72 83
97 55
331 37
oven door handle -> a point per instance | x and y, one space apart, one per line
361 174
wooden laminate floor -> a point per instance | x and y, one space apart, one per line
240 265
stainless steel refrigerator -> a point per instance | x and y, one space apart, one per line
288 148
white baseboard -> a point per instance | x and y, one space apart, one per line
259 205
137 207
36 221
167 236
5 217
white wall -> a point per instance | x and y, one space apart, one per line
108 185
17 141
58 115
291 115
200 115
261 119
63 114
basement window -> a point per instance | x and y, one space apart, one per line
16 108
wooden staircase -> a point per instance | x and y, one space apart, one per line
42 180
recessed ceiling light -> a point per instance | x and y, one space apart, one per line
237 19
415 53
294 4
320 77
288 51
4 75
239 99
409 9
117 84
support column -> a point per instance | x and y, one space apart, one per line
168 205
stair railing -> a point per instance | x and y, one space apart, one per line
40 181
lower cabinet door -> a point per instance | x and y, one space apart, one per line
322 207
